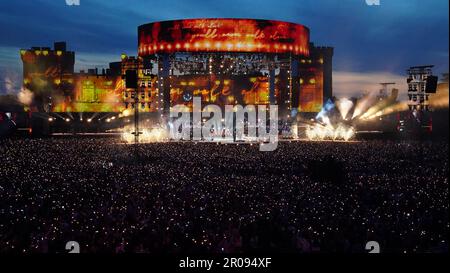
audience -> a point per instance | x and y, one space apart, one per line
206 197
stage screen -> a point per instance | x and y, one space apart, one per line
220 35
222 91
244 90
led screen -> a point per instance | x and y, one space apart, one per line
231 90
219 35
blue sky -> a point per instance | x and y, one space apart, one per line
372 43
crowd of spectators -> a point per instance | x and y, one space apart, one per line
190 197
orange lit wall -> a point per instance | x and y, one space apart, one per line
93 94
311 91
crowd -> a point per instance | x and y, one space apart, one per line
207 197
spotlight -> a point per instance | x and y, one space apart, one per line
67 119
89 120
50 119
126 112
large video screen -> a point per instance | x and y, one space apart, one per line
221 91
244 90
218 35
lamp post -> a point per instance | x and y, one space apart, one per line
131 83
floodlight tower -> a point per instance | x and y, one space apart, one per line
421 83
417 83
130 69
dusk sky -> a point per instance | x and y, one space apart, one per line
372 43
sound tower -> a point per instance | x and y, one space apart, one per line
131 79
431 84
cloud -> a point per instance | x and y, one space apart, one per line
347 83
9 57
10 70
